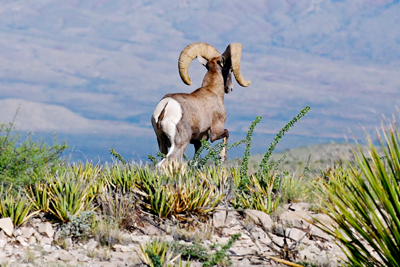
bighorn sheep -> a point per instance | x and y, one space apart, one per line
180 118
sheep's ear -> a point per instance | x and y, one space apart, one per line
202 60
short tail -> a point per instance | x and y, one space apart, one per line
161 117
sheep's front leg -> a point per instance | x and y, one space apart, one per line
223 153
225 135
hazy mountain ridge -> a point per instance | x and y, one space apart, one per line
316 157
108 63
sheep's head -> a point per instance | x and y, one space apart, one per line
230 62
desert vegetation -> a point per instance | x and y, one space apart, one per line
85 200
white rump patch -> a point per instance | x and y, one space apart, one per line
173 111
172 115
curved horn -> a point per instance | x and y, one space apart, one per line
189 53
234 52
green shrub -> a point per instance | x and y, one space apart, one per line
295 188
24 160
121 209
191 252
261 190
220 257
78 227
108 233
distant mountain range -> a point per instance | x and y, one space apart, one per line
315 157
92 71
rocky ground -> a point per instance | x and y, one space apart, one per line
264 241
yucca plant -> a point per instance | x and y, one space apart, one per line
121 176
91 174
38 196
159 253
154 194
182 195
15 207
260 194
218 176
69 195
295 188
364 204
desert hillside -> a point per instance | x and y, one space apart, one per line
317 157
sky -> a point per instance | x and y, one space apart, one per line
93 71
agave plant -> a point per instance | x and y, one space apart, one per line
15 207
159 253
121 176
182 195
38 196
91 174
69 195
364 204
260 194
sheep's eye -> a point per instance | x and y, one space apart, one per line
220 63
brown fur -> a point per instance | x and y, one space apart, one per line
203 111
161 117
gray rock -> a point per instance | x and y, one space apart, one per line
122 248
65 256
229 231
21 241
37 236
3 239
7 225
324 219
295 233
91 245
17 232
67 242
265 241
169 238
298 219
3 256
224 218
243 250
300 206
220 240
32 240
141 239
82 258
46 229
261 218
278 240
313 249
305 254
318 233
46 241
241 263
48 248
51 257
219 218
27 232
123 256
